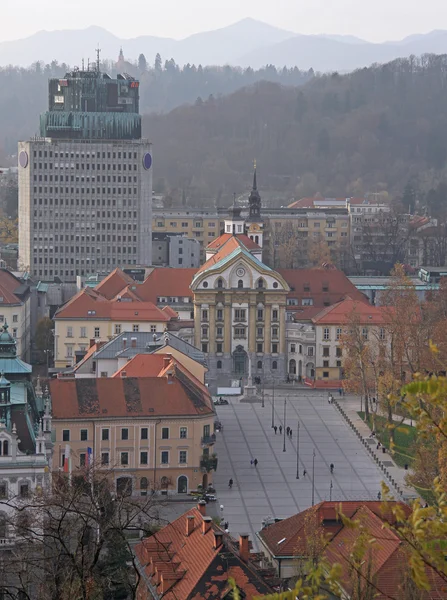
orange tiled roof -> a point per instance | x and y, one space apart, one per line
8 284
172 314
166 282
90 303
286 538
125 397
343 312
143 365
309 283
113 283
223 239
191 566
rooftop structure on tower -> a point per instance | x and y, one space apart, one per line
89 104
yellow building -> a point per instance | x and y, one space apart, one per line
148 433
102 313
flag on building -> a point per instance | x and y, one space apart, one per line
89 456
67 460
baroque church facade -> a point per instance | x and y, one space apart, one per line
240 303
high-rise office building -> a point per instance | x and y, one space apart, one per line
85 184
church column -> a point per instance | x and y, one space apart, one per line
267 328
197 317
227 325
282 329
212 331
252 325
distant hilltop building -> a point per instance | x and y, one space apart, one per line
85 185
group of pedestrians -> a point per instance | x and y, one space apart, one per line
289 430
254 461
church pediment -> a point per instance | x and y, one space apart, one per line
238 270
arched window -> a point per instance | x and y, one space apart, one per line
182 485
205 284
220 283
219 364
260 283
275 284
259 364
143 483
257 239
274 365
240 283
300 348
5 448
292 367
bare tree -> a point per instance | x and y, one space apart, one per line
74 542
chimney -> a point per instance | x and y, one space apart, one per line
201 507
218 535
243 547
206 524
123 374
91 343
189 524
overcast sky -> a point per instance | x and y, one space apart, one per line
376 20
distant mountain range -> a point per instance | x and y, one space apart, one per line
245 43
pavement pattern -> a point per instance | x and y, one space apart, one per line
271 489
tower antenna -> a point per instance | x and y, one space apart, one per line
98 52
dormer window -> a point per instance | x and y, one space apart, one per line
220 283
260 283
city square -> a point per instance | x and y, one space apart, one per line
272 489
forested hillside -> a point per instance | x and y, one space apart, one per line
373 130
24 92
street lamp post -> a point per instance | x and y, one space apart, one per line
273 404
330 492
313 477
263 388
298 451
284 427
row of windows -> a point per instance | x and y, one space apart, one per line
74 273
259 365
240 314
74 190
259 347
88 155
67 224
24 490
79 239
144 458
339 332
82 180
81 202
185 224
144 433
84 166
240 332
81 261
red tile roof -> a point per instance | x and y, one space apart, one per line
143 365
126 397
182 566
166 282
343 312
223 239
8 285
170 312
287 537
113 283
90 303
337 284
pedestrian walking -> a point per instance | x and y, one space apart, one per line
226 525
287 431
290 433
304 473
255 462
340 391
275 428
251 462
280 429
379 496
230 484
332 467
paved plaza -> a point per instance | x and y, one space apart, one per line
271 488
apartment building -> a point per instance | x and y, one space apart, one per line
85 185
148 433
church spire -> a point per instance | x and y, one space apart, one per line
255 186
